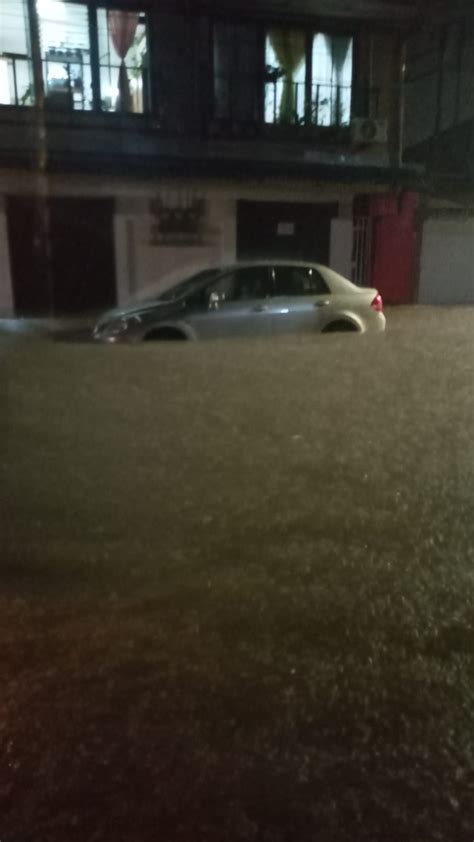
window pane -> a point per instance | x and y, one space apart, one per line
235 72
251 283
123 58
65 50
16 79
294 280
242 284
224 288
285 73
332 80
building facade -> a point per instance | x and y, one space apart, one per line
140 142
439 135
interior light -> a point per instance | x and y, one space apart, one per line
110 91
4 82
52 9
58 75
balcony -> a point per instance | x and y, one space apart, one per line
289 110
68 85
248 125
296 104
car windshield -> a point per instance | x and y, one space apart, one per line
188 286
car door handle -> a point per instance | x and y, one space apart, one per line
259 308
321 303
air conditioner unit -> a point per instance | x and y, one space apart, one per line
365 130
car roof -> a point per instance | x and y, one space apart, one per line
337 282
242 264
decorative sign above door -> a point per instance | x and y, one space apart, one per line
179 218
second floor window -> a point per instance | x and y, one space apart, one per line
92 57
123 60
308 78
16 77
235 59
66 54
285 76
331 82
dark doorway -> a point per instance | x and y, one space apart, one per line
284 230
75 272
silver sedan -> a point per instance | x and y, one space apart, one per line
266 298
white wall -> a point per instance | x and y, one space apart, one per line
143 268
6 292
447 262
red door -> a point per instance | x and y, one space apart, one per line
396 234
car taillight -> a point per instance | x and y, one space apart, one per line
377 303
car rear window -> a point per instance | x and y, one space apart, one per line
298 280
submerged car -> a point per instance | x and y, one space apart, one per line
248 299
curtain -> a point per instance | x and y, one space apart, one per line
338 47
122 27
289 46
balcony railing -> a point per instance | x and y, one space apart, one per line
321 104
288 103
69 86
243 105
294 104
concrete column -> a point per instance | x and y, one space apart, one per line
125 260
340 255
6 288
226 219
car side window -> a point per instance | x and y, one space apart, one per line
223 287
251 282
242 284
298 280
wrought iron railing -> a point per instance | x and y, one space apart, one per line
237 101
320 104
242 106
69 86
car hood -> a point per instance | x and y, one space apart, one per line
141 309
